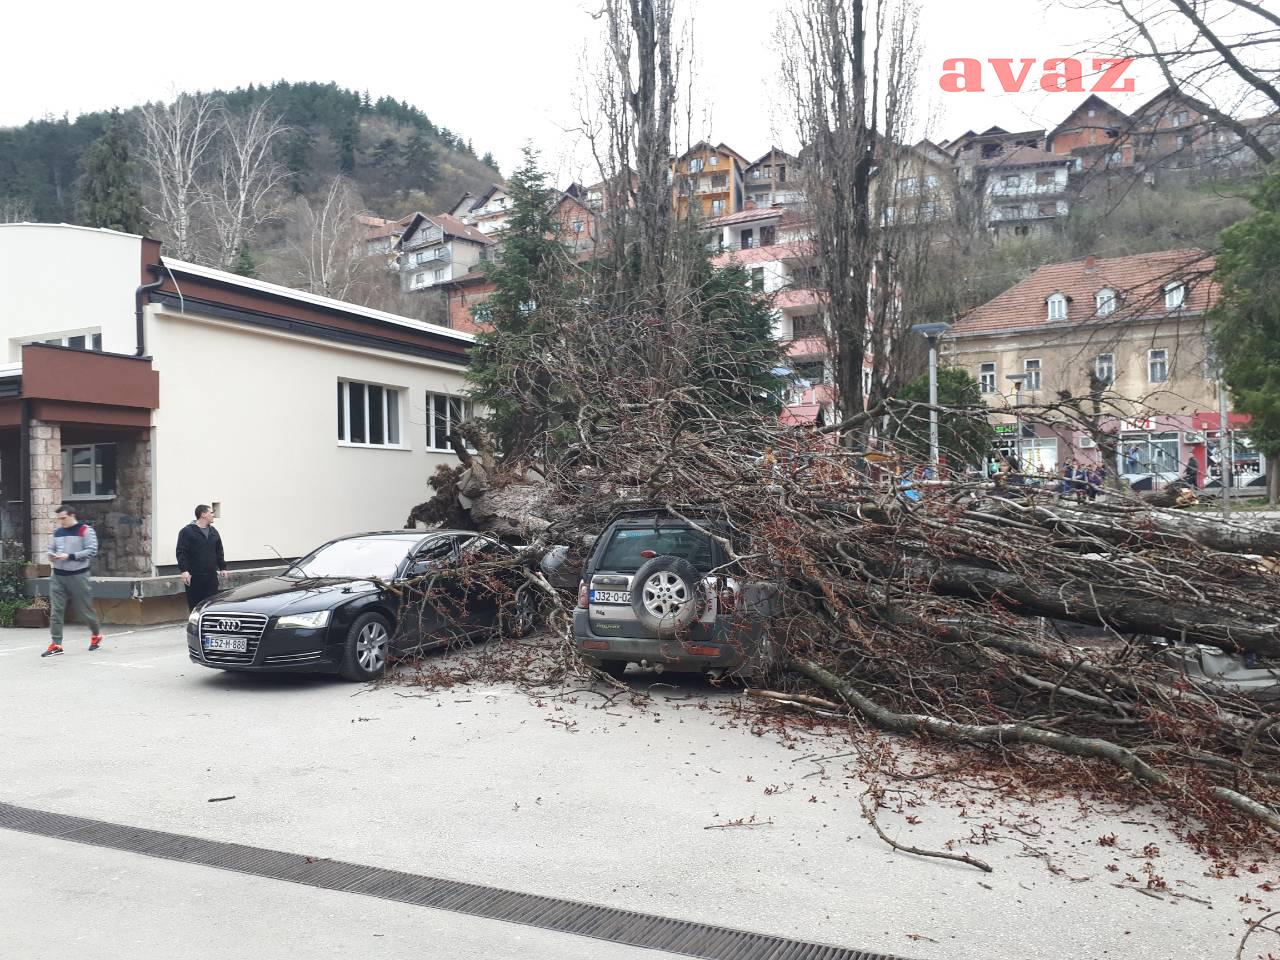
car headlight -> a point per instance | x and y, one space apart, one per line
193 617
306 620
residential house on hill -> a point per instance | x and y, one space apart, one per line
773 180
1136 325
487 212
380 235
1097 133
438 248
709 180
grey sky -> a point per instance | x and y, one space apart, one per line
495 71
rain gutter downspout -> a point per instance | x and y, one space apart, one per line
139 296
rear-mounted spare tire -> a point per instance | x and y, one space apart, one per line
666 595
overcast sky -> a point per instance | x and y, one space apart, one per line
498 72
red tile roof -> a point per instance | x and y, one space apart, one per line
1138 280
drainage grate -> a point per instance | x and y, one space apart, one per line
494 903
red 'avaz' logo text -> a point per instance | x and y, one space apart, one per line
1058 75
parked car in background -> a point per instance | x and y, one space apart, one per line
655 592
356 602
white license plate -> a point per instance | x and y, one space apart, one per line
227 644
611 596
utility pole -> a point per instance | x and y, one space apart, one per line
1226 456
931 332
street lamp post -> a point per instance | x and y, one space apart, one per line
931 332
1017 379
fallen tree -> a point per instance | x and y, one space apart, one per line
942 611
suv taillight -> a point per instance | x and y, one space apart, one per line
582 594
728 600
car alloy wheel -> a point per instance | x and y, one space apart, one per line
371 647
665 593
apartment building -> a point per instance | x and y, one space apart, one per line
708 180
439 248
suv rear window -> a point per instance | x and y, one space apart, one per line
623 553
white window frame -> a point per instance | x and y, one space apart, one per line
95 467
907 185
717 207
1161 357
448 404
439 276
1175 295
713 160
695 165
92 336
1104 368
1057 300
1105 302
1032 369
419 280
392 416
987 377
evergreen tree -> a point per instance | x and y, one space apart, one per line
420 169
491 163
245 265
521 316
109 193
962 438
1247 321
348 140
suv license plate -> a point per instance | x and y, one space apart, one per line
228 644
611 596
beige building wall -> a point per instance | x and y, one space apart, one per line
87 278
1068 355
248 420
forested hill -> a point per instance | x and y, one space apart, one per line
398 159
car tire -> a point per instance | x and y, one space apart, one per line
367 648
519 620
666 595
614 668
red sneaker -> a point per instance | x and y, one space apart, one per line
95 642
54 650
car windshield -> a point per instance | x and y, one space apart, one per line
625 551
372 557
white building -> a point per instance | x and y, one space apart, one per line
439 248
299 417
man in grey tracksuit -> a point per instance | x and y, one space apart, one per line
72 547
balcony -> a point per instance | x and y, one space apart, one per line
1025 189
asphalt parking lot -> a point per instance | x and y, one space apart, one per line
679 808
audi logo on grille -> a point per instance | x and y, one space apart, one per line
228 624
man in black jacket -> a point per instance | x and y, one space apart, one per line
200 558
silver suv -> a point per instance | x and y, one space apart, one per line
654 592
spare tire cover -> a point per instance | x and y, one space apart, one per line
666 595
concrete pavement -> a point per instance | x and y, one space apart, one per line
569 796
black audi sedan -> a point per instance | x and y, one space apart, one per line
358 601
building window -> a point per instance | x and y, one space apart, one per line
987 377
807 325
1175 295
907 186
929 211
419 280
1105 301
439 275
717 207
1011 181
89 471
931 182
809 373
1117 158
1184 141
444 413
368 414
577 226
768 236
719 181
757 278
1180 118
1032 370
1057 307
1010 213
695 165
1104 368
1157 366
1046 178
713 161
1047 209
